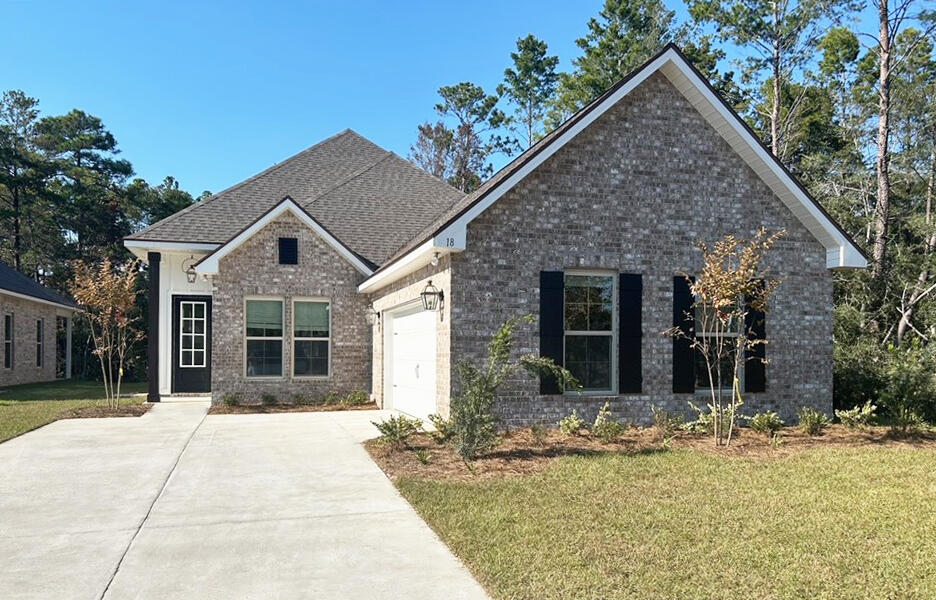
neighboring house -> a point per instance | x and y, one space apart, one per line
307 278
35 331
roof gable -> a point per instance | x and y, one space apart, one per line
14 283
448 233
208 265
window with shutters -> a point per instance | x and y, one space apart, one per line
705 328
40 331
264 337
8 341
288 251
590 340
311 338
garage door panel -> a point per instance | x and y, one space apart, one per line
412 370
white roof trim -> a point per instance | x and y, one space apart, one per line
841 251
209 264
141 247
414 260
39 300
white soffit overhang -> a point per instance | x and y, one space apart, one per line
140 248
841 252
209 264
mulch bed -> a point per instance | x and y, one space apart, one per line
253 409
101 412
524 451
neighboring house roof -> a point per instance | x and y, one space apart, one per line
368 198
209 263
447 231
15 283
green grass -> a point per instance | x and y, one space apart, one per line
25 407
824 523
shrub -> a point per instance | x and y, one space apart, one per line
908 392
443 429
768 423
396 430
860 416
572 424
705 420
606 427
666 422
539 434
331 399
230 400
303 399
267 399
423 456
474 426
355 398
812 421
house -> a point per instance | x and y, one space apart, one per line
309 277
36 330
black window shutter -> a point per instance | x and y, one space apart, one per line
755 371
683 359
552 329
630 332
288 251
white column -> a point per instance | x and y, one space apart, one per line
68 346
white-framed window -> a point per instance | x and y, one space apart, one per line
590 340
263 337
40 330
311 338
8 340
193 334
705 329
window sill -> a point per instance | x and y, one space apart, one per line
311 377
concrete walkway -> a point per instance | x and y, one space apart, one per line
178 505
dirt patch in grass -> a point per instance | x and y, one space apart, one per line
523 451
100 412
253 409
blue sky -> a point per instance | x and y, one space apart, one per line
212 92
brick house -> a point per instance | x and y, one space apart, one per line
309 277
35 331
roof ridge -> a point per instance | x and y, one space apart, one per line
347 179
250 179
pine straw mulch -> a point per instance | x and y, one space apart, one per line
523 451
253 409
103 412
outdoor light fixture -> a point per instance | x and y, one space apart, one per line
432 297
188 265
371 316
434 261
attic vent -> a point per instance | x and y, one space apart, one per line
288 251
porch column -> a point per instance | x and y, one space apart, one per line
68 345
152 331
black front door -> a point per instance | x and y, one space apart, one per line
191 344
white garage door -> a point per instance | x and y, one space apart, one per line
411 351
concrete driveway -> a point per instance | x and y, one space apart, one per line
175 504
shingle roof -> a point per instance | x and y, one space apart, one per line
369 198
14 281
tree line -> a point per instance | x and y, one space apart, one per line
850 109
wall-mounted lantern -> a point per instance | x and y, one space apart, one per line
432 297
188 266
372 316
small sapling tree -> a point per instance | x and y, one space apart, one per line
731 283
107 294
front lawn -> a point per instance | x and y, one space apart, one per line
26 407
824 522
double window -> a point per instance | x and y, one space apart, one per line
40 330
590 326
264 338
311 338
8 341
